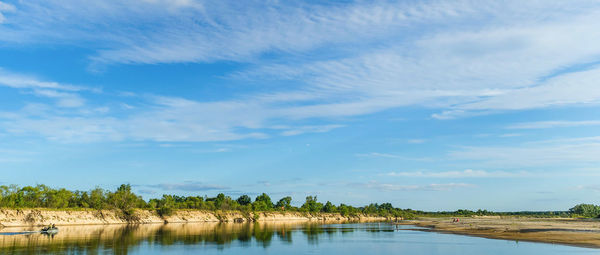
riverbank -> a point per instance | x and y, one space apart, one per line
40 217
578 232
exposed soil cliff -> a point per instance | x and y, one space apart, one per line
38 217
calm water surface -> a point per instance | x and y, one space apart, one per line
214 238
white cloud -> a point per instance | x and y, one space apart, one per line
310 129
65 129
190 186
400 187
162 119
16 155
191 31
466 72
572 153
593 187
20 81
5 7
469 173
64 94
554 124
393 156
63 99
461 57
377 154
573 88
510 135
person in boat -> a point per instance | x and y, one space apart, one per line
51 226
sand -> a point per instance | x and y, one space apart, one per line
577 232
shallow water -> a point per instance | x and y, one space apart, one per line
264 238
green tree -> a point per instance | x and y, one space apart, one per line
586 210
265 199
33 196
347 210
311 205
194 202
166 205
386 207
97 199
284 203
83 199
259 206
209 205
219 200
125 200
244 200
58 198
329 207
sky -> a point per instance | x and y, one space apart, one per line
430 105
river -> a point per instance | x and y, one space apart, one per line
264 238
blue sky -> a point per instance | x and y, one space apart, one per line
433 105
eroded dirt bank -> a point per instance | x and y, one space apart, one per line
38 217
579 232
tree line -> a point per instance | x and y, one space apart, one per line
125 200
580 210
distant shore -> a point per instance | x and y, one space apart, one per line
41 217
577 232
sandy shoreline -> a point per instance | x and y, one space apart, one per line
576 232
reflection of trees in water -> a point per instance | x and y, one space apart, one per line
123 240
285 235
245 235
312 232
127 239
263 235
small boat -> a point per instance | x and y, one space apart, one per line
49 230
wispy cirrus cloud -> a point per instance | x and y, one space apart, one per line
567 89
468 173
460 57
66 95
572 152
554 124
310 129
392 156
191 186
196 31
159 118
593 187
5 7
400 187
20 81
